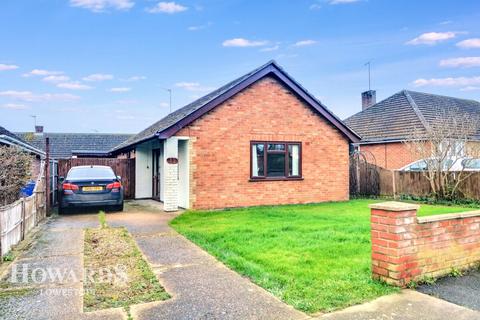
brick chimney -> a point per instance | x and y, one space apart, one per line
369 98
38 130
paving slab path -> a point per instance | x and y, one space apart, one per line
407 305
464 291
201 287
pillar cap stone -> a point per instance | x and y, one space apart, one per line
394 206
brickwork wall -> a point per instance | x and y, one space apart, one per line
390 155
265 111
408 248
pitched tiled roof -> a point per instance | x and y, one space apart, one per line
173 121
396 117
14 139
62 144
5 132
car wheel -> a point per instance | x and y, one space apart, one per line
118 208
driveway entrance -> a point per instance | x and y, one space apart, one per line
200 286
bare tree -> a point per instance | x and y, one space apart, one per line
447 138
15 171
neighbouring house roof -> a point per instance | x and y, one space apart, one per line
398 116
63 145
178 119
8 138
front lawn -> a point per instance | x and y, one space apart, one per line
314 257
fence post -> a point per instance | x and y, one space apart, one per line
47 175
1 237
35 217
394 185
22 222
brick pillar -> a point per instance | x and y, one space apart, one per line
170 202
393 251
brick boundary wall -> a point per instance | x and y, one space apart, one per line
409 248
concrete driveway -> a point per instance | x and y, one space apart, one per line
201 287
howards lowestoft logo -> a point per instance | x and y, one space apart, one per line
25 273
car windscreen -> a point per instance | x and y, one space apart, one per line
418 166
94 173
471 163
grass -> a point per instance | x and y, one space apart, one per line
133 281
429 210
314 257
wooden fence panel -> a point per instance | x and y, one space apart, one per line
30 212
470 187
396 183
412 183
122 167
385 182
11 225
20 217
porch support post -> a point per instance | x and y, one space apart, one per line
170 202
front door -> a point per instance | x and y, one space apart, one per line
156 183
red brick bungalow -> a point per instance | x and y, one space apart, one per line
261 139
388 125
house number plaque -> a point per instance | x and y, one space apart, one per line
172 160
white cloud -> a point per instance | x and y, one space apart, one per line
446 22
195 28
31 97
120 89
269 49
448 82
469 43
241 42
5 67
315 6
431 38
464 62
127 101
167 7
192 86
164 104
15 106
102 5
98 77
134 78
125 117
42 72
56 78
470 88
74 86
199 27
304 43
342 1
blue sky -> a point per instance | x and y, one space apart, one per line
103 65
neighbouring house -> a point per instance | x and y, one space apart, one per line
261 139
73 145
7 138
386 126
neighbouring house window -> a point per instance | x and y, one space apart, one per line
275 160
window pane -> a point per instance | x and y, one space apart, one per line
293 160
276 147
275 164
257 160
